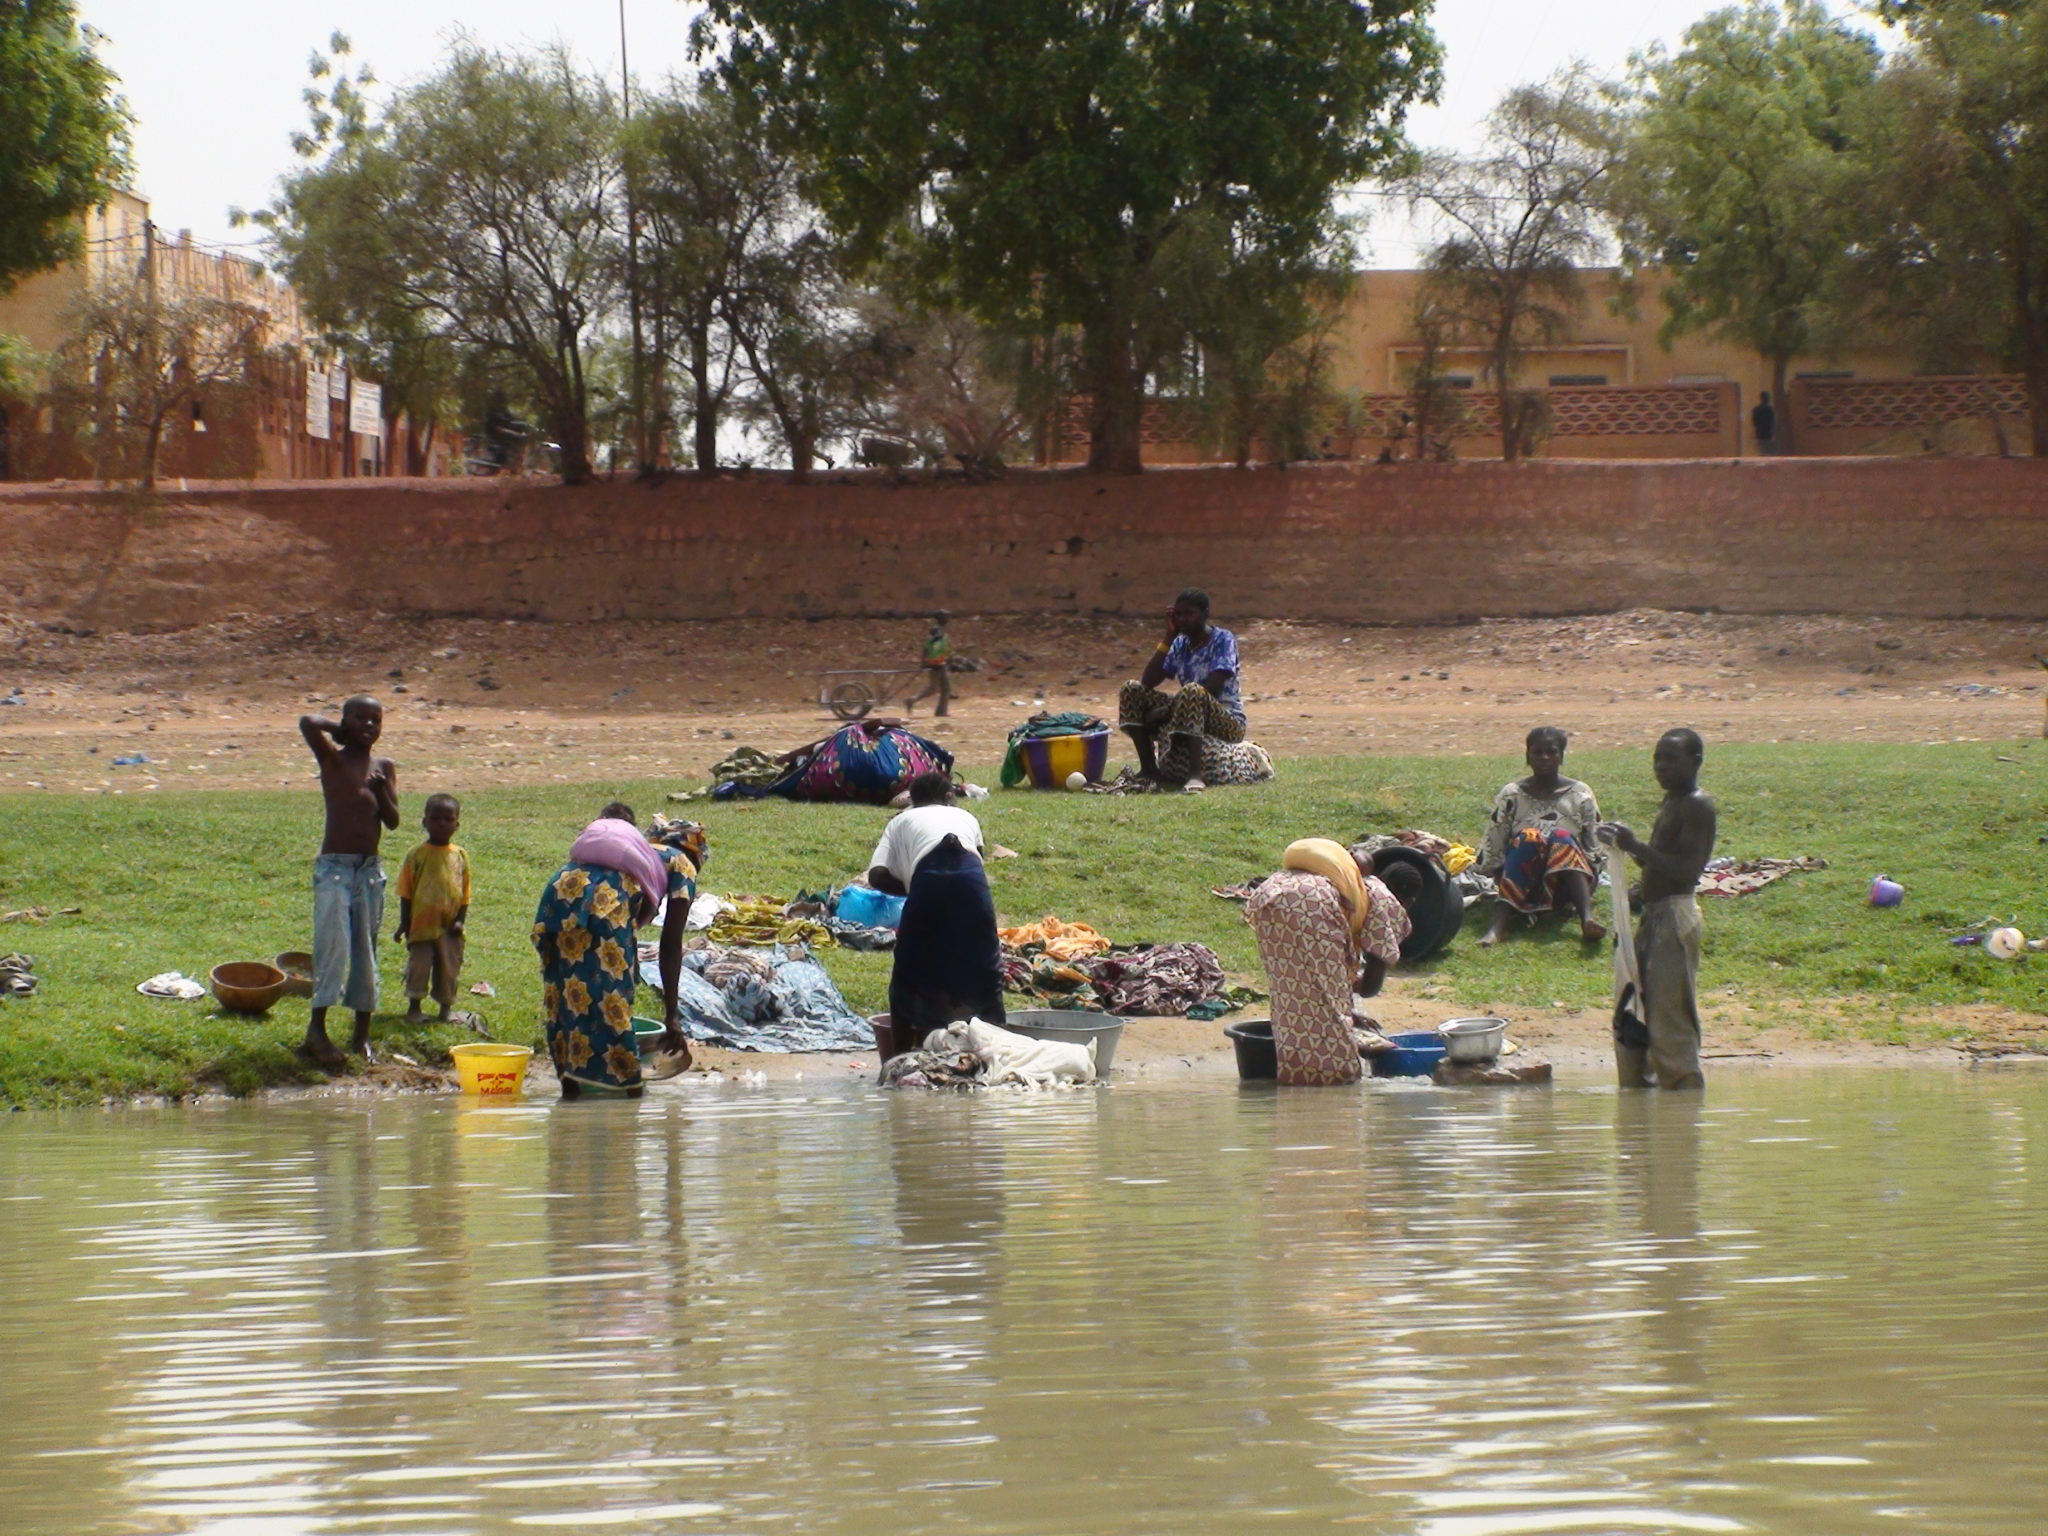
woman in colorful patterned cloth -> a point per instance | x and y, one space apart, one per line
589 957
1327 926
1539 846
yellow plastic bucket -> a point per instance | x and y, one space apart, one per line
487 1069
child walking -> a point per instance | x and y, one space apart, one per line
433 905
937 659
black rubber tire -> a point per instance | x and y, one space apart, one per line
1440 911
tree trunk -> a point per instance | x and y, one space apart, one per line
2037 405
704 416
574 459
1116 406
1781 407
152 445
1503 368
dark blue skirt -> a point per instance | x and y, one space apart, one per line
948 959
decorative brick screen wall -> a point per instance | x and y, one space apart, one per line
1879 405
1669 421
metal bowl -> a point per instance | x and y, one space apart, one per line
1474 1040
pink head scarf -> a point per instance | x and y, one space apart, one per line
613 844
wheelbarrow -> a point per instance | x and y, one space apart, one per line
850 693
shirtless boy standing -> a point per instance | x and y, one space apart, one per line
348 878
1668 941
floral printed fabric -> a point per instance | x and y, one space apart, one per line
583 932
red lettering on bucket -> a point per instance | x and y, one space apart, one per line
497 1082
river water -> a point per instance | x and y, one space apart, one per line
1810 1304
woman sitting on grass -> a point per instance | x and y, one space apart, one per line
1326 927
589 955
1539 847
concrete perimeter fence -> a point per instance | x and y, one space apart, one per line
1398 544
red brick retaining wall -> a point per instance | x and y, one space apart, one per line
1408 543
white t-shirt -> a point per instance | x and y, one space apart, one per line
916 832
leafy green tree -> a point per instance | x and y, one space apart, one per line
1257 327
1953 160
1519 221
1033 160
1732 176
479 213
63 134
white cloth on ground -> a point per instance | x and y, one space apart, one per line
1014 1058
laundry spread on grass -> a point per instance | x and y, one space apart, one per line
1070 965
748 766
774 1000
1053 938
1739 877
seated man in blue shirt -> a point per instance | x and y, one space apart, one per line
1168 727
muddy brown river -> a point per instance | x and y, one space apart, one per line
1814 1303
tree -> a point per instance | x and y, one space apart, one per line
1519 221
1953 160
1732 177
1034 159
63 135
135 359
1258 331
480 211
956 388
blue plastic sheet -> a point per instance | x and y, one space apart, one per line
799 1009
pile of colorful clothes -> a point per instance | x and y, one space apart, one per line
1070 965
868 761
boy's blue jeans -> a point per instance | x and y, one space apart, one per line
348 913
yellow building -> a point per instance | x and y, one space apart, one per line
269 430
1617 392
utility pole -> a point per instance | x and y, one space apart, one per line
641 456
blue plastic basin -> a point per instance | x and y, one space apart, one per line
1419 1052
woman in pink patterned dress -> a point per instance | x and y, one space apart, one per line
1326 927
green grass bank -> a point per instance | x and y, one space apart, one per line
185 881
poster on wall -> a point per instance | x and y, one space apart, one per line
366 409
337 382
318 416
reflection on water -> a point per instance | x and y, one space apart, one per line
1808 1304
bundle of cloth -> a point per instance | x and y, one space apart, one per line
975 1054
869 761
776 1000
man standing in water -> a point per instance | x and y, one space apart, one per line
1668 941
361 792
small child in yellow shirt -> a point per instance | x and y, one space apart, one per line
433 904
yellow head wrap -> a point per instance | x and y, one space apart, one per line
1333 861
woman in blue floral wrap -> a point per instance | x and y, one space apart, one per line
589 955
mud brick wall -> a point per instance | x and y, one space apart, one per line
1405 543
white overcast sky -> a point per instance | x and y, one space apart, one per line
215 84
